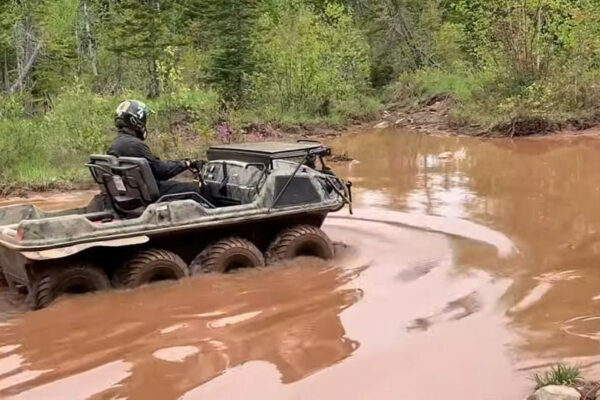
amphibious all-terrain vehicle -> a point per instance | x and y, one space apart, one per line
268 203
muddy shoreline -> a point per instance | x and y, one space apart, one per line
432 118
253 132
429 119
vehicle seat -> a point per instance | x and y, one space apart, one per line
127 181
130 184
138 179
104 161
233 182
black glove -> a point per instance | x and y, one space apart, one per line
194 164
328 171
311 162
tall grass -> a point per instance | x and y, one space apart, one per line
496 101
50 149
561 374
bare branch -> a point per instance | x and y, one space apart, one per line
26 69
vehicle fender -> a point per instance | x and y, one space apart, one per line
62 252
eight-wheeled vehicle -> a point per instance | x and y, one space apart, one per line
268 202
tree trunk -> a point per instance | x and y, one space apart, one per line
89 38
28 50
80 56
154 83
5 77
24 74
119 73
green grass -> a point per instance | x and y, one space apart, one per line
340 113
45 150
560 374
49 150
422 85
494 100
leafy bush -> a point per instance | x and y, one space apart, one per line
307 63
422 85
53 147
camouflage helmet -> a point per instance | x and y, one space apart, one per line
133 114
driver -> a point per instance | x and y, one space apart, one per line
131 125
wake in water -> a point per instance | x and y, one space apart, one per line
447 225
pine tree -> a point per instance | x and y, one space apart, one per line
55 25
142 29
227 28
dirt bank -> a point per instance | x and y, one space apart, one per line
430 119
186 137
433 118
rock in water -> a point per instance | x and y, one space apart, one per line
382 125
556 393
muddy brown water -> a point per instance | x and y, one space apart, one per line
470 265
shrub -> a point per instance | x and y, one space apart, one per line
559 375
307 63
53 147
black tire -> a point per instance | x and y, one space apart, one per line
149 266
227 255
75 279
300 240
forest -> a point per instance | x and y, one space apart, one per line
205 66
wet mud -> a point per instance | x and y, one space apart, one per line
468 265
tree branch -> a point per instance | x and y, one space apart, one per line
25 71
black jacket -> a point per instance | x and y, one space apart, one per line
129 145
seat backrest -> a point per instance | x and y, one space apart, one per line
138 179
233 182
103 161
127 181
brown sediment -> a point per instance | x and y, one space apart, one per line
52 201
469 264
288 318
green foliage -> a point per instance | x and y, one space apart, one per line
401 35
142 29
225 27
414 88
559 375
8 16
65 64
56 21
84 119
54 147
11 107
307 63
506 61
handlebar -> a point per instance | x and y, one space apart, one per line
307 141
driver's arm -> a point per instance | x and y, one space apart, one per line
162 170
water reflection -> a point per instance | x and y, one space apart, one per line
427 302
543 193
156 342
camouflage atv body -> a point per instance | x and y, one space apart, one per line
270 205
